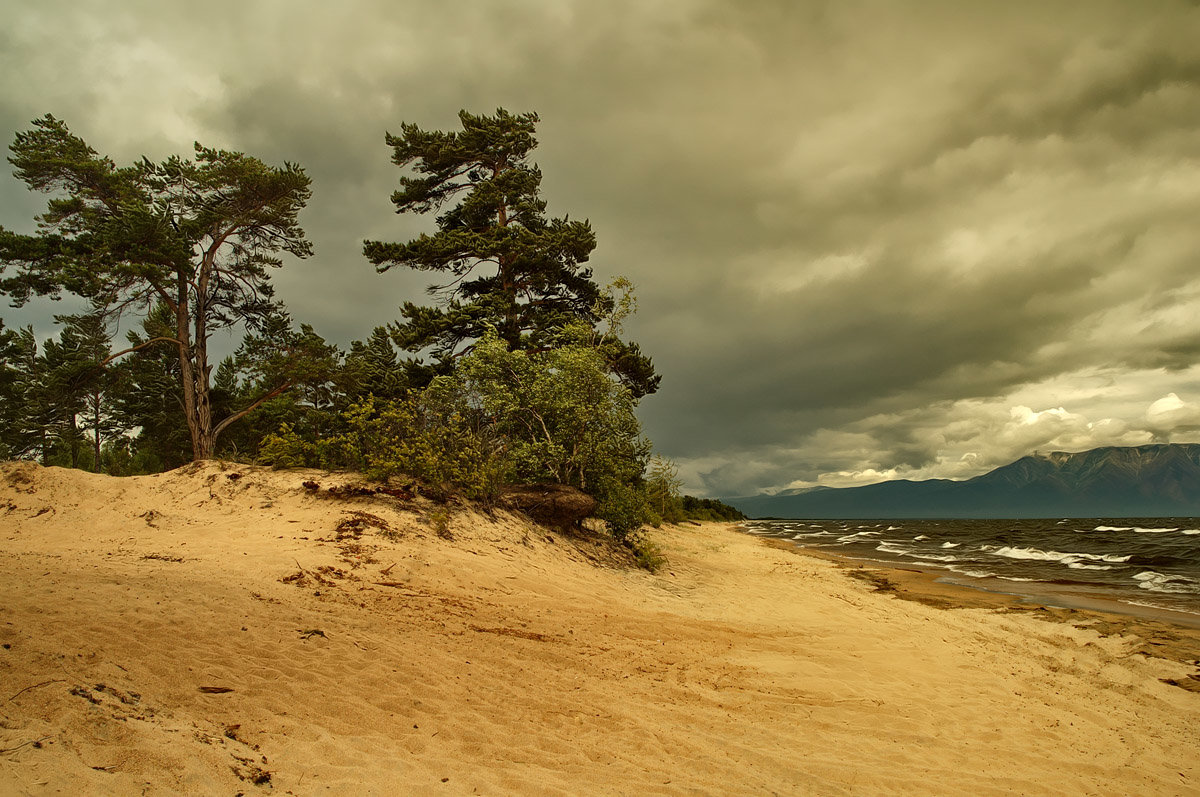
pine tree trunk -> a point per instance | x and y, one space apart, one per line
73 441
208 441
195 381
96 430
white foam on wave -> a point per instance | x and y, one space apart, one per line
1034 554
1082 566
1162 582
972 573
1191 532
1159 606
933 557
892 528
951 544
987 574
1136 529
890 547
858 536
920 537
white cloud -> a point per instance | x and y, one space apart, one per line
1171 415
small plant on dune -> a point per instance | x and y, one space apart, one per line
439 521
647 555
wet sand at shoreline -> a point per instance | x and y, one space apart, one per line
1166 634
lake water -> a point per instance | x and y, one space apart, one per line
1151 563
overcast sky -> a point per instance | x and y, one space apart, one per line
870 239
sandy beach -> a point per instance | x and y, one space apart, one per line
224 629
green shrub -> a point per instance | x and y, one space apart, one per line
423 438
647 555
287 449
623 507
562 418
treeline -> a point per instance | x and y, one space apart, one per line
518 372
669 506
708 509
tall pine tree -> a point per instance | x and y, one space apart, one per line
195 236
506 266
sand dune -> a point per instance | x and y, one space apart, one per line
223 629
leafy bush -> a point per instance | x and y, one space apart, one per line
418 437
623 507
646 553
425 438
287 449
562 418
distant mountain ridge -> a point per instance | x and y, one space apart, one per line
1139 481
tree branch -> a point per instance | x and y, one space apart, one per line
131 349
237 416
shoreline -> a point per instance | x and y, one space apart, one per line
1151 574
1167 634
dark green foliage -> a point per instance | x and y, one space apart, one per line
623 506
708 509
79 385
284 375
373 368
562 419
148 395
418 437
11 390
502 415
55 404
194 236
507 267
23 423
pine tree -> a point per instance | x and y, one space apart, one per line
77 382
148 394
18 362
196 236
373 368
506 266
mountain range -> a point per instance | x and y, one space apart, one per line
1139 481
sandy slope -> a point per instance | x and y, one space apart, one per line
506 660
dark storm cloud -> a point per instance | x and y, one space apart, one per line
870 240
